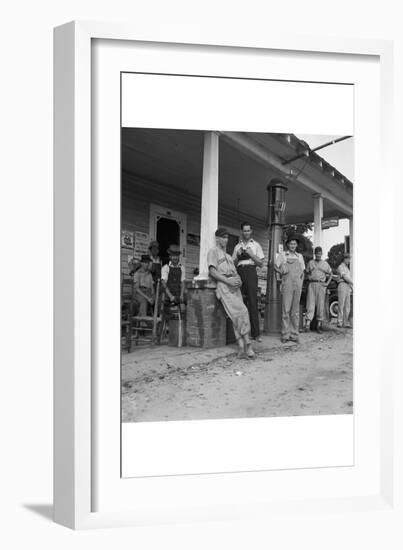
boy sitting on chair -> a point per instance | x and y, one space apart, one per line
173 278
143 286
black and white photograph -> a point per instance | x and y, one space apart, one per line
236 274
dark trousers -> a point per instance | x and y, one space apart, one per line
249 292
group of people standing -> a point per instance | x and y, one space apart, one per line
233 273
237 283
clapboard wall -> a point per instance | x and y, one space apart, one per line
138 194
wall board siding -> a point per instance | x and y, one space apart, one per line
138 194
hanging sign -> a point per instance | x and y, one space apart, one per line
329 222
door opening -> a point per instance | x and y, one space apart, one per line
168 232
168 227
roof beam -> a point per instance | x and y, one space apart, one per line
255 150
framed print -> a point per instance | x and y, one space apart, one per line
212 320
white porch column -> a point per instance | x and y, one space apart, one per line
209 202
317 219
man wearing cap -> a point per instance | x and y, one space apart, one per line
344 291
222 269
173 277
290 266
247 256
156 264
319 276
143 285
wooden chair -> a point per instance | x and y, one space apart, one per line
127 312
148 328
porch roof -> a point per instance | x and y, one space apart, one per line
248 161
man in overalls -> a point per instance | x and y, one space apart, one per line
173 278
290 265
344 291
319 276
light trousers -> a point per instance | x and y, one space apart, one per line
290 312
316 299
344 297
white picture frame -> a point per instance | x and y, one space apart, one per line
76 284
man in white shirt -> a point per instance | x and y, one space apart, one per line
319 276
344 291
247 256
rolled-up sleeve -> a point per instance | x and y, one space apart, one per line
136 279
280 264
279 260
165 272
340 271
259 252
212 258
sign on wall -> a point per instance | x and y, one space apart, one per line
193 239
127 239
141 243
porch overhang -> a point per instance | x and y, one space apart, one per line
247 163
314 178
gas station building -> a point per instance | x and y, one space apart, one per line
178 186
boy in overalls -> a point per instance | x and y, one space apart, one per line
291 266
173 278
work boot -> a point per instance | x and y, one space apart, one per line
319 327
307 326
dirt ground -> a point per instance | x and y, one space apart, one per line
310 378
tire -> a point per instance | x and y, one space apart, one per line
334 309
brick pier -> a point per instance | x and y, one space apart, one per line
205 317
